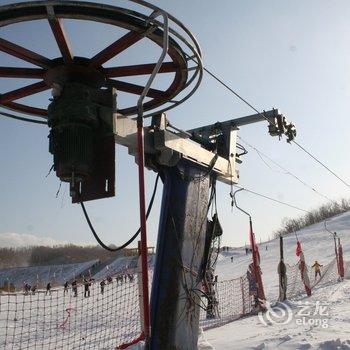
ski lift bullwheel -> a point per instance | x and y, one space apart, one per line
184 53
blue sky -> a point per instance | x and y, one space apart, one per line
290 55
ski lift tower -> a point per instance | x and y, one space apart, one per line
85 121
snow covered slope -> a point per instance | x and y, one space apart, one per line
56 274
251 333
121 265
317 244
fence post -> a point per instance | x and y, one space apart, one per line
341 260
243 298
336 253
282 274
140 286
256 265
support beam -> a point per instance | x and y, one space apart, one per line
180 254
166 145
61 37
24 54
250 119
23 92
116 48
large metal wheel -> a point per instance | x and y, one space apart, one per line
184 53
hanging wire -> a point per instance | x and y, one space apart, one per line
326 228
149 209
272 199
263 116
284 170
233 195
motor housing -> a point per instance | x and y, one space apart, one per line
80 118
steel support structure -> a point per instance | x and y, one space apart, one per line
180 256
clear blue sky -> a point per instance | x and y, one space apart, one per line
293 55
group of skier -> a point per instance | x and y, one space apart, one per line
27 288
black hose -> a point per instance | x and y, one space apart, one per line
150 205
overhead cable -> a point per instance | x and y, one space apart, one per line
272 199
284 170
263 116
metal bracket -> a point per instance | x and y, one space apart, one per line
212 146
168 147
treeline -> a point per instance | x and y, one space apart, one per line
315 216
36 256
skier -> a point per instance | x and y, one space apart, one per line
48 289
75 288
317 268
232 259
25 288
65 287
87 285
33 289
102 285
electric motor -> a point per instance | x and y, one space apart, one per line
74 119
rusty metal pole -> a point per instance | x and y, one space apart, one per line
141 172
341 260
144 263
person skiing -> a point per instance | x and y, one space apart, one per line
87 285
102 286
232 259
65 286
33 289
25 288
317 268
75 288
48 289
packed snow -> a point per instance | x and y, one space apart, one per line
283 326
302 332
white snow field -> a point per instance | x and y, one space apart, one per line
62 321
301 332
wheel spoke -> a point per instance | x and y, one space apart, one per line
135 89
114 49
26 109
23 92
141 69
24 54
26 73
61 39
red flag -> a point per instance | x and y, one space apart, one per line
298 250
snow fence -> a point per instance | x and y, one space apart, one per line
296 284
108 320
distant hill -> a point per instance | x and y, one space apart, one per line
67 254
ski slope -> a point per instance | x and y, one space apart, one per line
250 333
62 321
41 275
